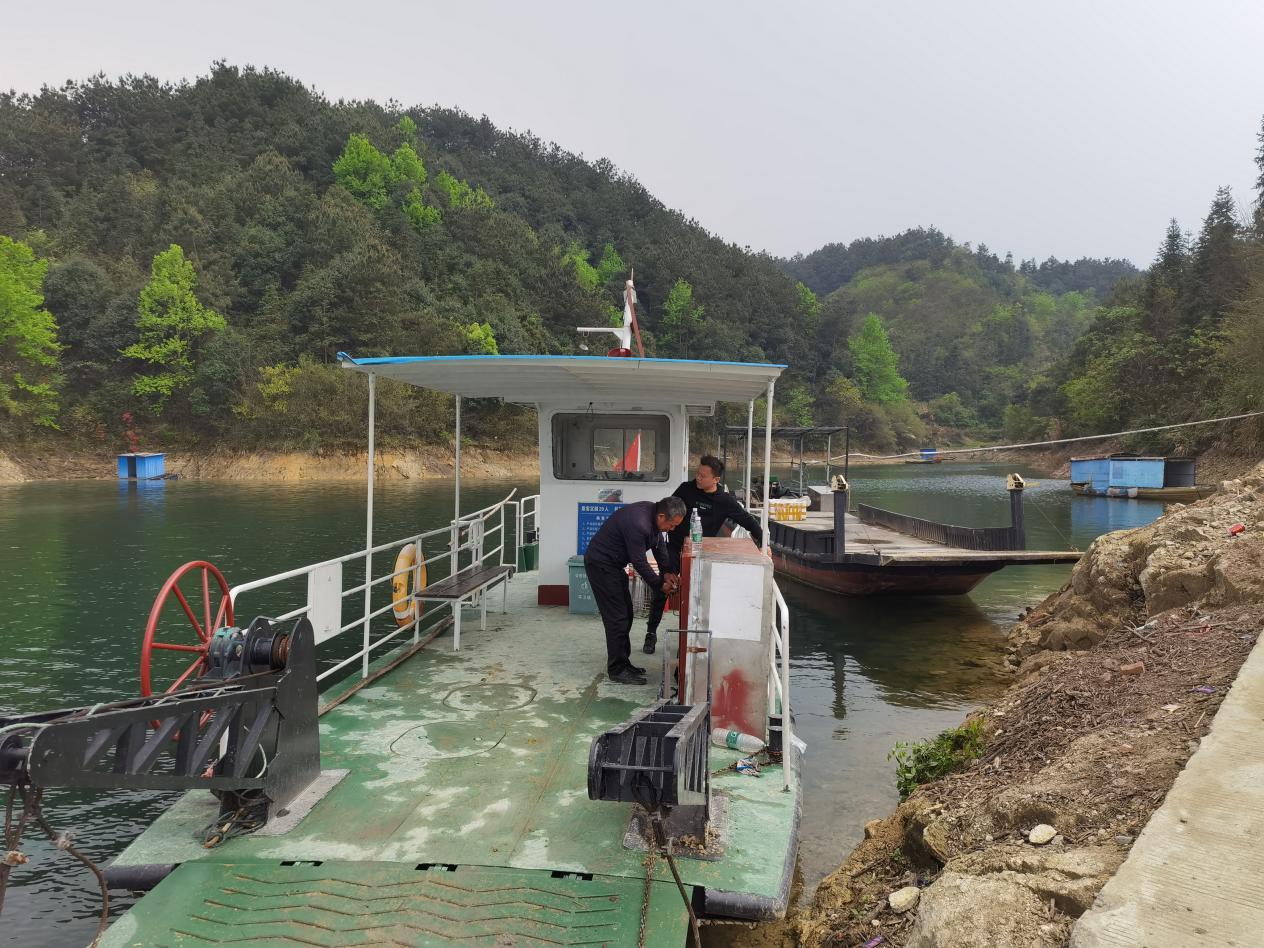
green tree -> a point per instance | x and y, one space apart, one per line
876 365
1217 276
480 340
577 258
460 193
610 266
681 321
28 338
173 325
406 167
365 171
809 305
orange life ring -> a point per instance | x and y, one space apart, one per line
408 564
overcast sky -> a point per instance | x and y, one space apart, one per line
1068 129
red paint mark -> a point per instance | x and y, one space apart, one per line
731 706
553 595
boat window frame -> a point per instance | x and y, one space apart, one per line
657 423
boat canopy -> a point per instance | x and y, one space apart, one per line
531 379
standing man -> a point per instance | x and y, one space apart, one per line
624 538
715 506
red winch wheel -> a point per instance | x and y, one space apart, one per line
216 612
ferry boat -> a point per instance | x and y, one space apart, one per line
417 743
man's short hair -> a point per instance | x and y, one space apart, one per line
671 508
711 461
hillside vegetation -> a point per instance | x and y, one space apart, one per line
180 263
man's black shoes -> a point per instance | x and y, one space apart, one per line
628 676
651 640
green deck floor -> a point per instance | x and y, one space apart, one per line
478 759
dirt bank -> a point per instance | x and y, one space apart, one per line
414 464
1118 676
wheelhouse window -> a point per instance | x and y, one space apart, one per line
599 447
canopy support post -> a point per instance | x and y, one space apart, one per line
829 450
368 530
746 471
763 516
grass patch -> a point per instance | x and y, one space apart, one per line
923 761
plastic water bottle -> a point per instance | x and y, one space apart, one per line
736 740
695 527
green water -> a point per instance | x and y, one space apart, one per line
81 562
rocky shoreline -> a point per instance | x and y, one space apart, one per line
1118 676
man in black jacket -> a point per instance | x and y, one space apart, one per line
715 507
624 539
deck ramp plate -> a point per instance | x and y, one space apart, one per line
361 903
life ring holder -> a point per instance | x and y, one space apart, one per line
410 571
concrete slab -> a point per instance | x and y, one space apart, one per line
1193 875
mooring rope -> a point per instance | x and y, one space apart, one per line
1042 444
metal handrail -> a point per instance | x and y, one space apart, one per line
472 533
781 675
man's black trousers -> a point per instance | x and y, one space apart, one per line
609 586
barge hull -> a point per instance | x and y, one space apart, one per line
854 579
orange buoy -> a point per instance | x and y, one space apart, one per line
409 571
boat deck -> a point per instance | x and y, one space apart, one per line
464 813
873 545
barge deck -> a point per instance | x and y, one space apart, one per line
879 560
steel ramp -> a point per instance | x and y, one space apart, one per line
374 903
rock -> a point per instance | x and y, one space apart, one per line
872 828
1058 840
1133 668
1238 574
1041 834
963 911
1166 588
1124 749
935 838
1124 840
901 900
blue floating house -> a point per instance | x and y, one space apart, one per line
149 466
1131 475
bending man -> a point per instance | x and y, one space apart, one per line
624 539
715 507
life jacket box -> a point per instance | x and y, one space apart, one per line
731 594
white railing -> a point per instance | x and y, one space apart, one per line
472 539
528 517
779 659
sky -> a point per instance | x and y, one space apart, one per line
1062 129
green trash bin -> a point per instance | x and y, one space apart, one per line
528 557
582 601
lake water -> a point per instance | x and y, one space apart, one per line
80 563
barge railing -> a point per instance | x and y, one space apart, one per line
965 538
473 539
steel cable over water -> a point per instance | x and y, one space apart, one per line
1042 444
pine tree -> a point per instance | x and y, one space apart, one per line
1259 185
1217 275
173 325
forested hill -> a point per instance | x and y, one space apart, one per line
184 260
205 248
834 265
